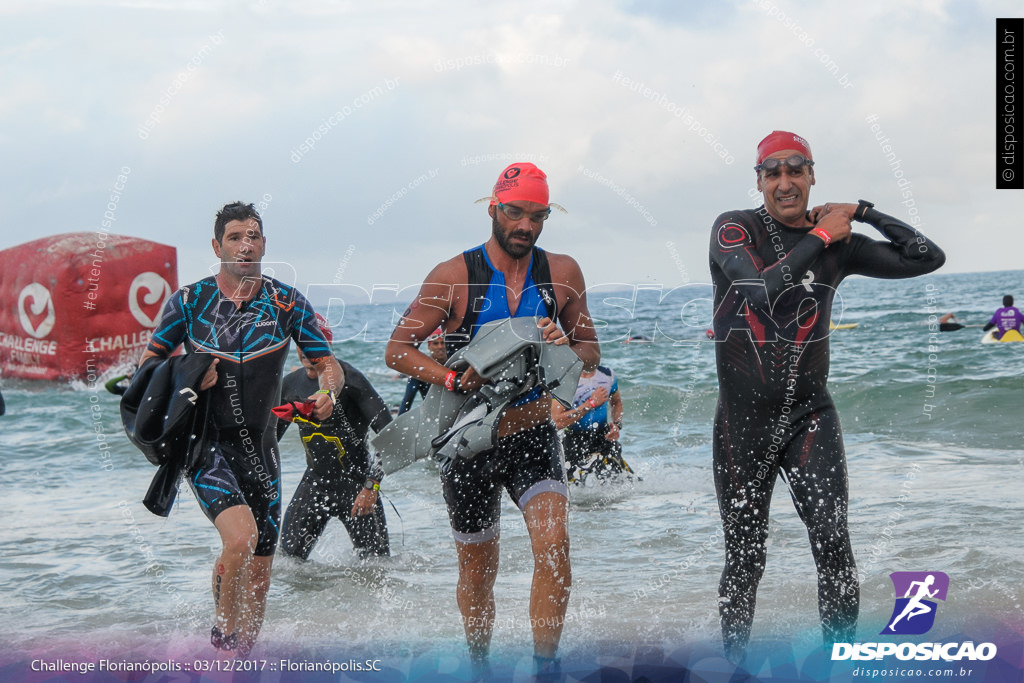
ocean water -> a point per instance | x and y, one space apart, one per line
84 566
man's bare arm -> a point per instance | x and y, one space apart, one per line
429 310
574 315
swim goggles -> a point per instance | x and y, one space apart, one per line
514 213
795 164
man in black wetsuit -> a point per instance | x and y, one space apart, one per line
341 479
245 320
506 277
775 270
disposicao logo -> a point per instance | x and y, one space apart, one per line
914 613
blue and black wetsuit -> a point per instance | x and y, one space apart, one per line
528 462
488 295
240 465
774 287
338 463
589 434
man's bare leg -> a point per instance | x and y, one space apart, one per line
253 602
547 521
478 568
238 537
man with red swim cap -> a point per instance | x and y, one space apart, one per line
522 182
505 277
775 270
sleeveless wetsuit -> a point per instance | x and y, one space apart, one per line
774 287
338 462
240 464
488 295
528 462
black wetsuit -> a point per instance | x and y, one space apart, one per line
774 287
240 464
337 465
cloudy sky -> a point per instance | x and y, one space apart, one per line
645 116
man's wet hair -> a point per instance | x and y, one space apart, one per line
236 211
1007 301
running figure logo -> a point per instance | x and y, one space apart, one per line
914 613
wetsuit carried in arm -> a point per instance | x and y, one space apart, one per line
338 463
240 464
528 462
774 287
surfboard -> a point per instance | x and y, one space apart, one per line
1010 336
842 326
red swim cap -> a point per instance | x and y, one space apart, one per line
521 182
780 140
325 328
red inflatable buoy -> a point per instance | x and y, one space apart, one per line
81 303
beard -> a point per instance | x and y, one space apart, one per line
514 250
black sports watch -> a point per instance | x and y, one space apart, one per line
862 208
371 485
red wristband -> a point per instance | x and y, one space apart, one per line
590 402
825 237
449 380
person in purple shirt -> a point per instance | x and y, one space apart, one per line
1006 318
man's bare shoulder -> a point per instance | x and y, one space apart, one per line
450 272
564 268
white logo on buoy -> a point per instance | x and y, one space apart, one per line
157 291
41 301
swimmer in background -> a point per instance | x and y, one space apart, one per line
949 323
592 427
1005 319
342 477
